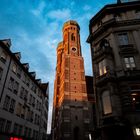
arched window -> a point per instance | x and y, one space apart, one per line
106 102
72 37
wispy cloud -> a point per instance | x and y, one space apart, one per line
60 14
39 10
86 7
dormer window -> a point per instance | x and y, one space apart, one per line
14 68
3 57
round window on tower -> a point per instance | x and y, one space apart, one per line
74 49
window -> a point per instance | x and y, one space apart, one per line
129 62
123 39
3 57
1 72
25 131
18 109
83 88
8 126
19 72
136 101
76 133
106 101
11 83
29 132
102 67
6 102
22 92
72 37
66 86
20 130
66 62
28 115
16 86
14 68
66 74
22 112
137 12
2 124
12 106
82 76
33 101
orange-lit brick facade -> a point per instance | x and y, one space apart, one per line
71 115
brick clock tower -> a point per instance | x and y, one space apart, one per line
71 116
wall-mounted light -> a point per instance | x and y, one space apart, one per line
89 136
137 131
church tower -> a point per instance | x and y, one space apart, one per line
71 119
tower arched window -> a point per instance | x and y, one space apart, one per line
72 37
106 102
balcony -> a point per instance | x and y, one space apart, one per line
109 76
102 51
127 49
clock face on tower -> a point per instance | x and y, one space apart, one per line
74 49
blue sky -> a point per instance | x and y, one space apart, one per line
35 28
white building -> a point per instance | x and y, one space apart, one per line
23 99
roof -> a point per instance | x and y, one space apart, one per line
71 22
5 44
114 8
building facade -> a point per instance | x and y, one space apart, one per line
71 116
23 99
115 45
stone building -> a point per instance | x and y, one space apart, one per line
114 37
71 113
23 98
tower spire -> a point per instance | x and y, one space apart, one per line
70 94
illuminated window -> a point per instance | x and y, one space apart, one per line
137 131
123 39
129 62
106 101
102 67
